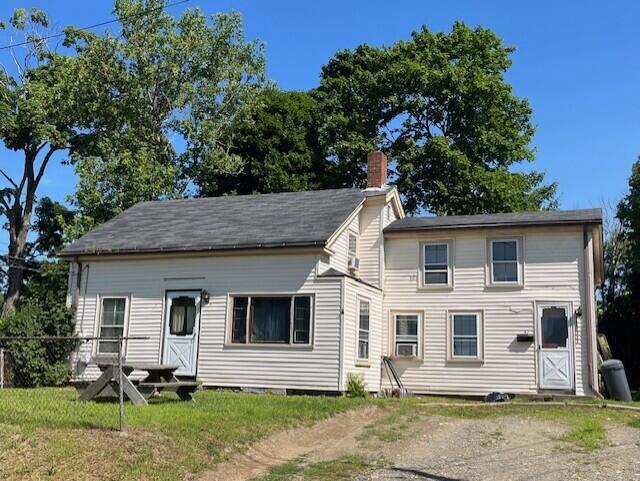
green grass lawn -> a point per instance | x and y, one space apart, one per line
48 434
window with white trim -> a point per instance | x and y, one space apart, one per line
353 245
465 335
407 328
113 314
436 264
363 330
271 319
505 261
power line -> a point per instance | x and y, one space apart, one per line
95 25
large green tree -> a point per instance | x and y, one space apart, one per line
440 106
162 97
38 119
279 148
620 299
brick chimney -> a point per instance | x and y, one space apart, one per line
376 169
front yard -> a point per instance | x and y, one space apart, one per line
47 434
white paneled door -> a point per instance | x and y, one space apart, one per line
182 325
555 346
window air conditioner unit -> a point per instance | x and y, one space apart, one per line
407 349
354 263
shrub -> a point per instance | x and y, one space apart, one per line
33 362
356 386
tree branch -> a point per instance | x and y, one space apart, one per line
43 166
9 179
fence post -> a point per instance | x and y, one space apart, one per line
1 368
120 388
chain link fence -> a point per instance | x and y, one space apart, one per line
43 383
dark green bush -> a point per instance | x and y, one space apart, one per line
37 362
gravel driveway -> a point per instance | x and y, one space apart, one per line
506 448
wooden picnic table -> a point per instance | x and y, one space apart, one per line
160 377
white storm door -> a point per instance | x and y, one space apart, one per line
555 346
182 324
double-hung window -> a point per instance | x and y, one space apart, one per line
271 319
466 335
505 261
113 314
407 328
353 245
363 330
436 258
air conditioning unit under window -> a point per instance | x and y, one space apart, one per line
353 263
406 349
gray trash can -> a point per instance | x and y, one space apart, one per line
615 380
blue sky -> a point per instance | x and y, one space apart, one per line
577 62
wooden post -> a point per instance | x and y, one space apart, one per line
120 388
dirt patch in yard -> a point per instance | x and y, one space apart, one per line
328 439
506 448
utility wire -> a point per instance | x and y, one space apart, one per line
95 25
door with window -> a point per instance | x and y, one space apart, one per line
182 325
555 346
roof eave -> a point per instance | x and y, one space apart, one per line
492 225
69 254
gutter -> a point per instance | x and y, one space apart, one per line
179 250
492 225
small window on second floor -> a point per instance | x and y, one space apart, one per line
436 269
505 261
353 245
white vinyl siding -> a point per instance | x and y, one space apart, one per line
340 246
553 267
370 369
371 243
313 367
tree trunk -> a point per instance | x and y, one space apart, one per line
19 217
16 261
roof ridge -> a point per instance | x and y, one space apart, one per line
244 196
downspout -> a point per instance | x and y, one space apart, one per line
341 344
590 311
74 291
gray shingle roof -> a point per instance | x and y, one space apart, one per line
217 223
540 218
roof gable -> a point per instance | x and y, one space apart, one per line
219 223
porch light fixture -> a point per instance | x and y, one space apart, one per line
205 296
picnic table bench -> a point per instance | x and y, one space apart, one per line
160 377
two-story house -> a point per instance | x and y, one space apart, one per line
296 290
